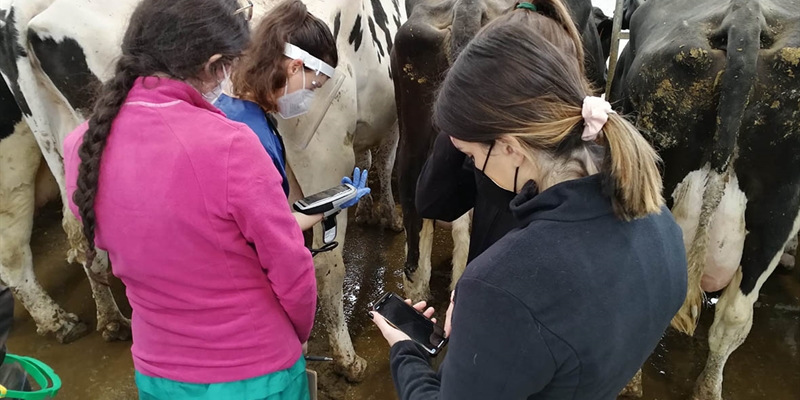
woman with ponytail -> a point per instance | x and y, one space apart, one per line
450 184
189 207
570 304
292 54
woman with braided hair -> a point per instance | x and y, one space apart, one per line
570 304
190 208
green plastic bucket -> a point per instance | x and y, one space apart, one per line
44 376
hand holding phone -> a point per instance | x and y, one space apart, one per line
399 321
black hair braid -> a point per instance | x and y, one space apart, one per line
113 95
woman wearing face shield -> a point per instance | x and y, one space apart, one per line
189 207
291 56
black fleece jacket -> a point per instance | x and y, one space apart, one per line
567 307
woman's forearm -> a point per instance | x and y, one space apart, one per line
306 222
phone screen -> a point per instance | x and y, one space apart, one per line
412 323
325 194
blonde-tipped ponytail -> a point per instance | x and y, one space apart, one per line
632 165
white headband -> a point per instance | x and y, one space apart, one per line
311 62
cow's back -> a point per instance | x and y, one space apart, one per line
673 82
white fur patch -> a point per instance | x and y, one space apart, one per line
726 229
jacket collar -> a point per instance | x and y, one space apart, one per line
160 92
574 200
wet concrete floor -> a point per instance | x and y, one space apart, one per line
766 366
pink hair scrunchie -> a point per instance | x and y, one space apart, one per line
595 115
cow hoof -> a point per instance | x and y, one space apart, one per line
705 395
364 211
706 389
387 217
396 225
787 261
71 330
354 372
116 330
364 218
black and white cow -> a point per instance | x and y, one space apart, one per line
39 85
424 48
54 52
25 184
714 87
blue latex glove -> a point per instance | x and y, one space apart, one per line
360 182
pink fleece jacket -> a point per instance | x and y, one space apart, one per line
191 211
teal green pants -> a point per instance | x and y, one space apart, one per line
289 384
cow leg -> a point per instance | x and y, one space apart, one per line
419 233
320 165
732 323
417 284
19 160
769 230
110 320
461 229
330 271
385 210
365 205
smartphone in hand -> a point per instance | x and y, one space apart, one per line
411 322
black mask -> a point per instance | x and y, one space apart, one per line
488 188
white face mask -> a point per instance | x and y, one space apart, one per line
225 85
297 103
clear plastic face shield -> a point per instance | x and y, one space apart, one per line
324 95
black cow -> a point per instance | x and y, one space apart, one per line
424 48
714 87
605 24
604 28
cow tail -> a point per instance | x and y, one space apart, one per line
467 16
736 87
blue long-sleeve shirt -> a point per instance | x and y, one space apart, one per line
253 116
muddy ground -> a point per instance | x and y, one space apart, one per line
767 366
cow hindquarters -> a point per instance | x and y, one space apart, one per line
19 161
770 223
330 272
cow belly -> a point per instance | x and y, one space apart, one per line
726 230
